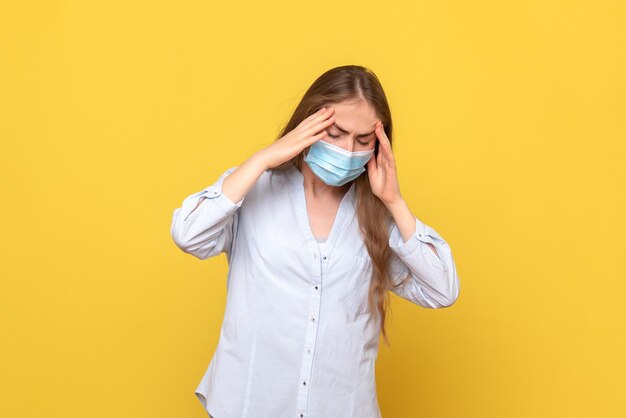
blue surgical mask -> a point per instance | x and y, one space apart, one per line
335 165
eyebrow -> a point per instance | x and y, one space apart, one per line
346 132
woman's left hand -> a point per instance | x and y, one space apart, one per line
382 170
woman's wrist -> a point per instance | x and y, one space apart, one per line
258 160
397 206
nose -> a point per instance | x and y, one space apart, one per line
348 145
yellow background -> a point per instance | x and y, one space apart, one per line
509 138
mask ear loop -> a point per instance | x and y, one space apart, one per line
305 152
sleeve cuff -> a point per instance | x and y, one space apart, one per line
396 242
215 194
212 193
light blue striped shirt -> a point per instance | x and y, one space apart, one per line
298 338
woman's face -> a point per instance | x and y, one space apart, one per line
354 126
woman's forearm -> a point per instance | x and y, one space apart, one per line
405 220
240 181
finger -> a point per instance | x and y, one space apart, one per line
386 146
307 121
379 158
388 161
388 164
314 138
380 132
318 126
319 111
392 161
390 156
317 117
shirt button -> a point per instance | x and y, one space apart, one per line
316 287
301 415
304 383
308 350
324 257
312 319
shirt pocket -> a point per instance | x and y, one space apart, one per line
356 288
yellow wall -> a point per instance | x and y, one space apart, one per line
509 135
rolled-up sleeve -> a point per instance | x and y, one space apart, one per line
206 230
433 281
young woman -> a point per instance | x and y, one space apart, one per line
316 232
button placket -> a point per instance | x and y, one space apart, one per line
311 332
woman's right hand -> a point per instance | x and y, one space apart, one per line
306 133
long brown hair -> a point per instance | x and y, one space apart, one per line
349 83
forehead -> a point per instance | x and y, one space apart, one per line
357 117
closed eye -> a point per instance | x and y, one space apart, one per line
337 136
